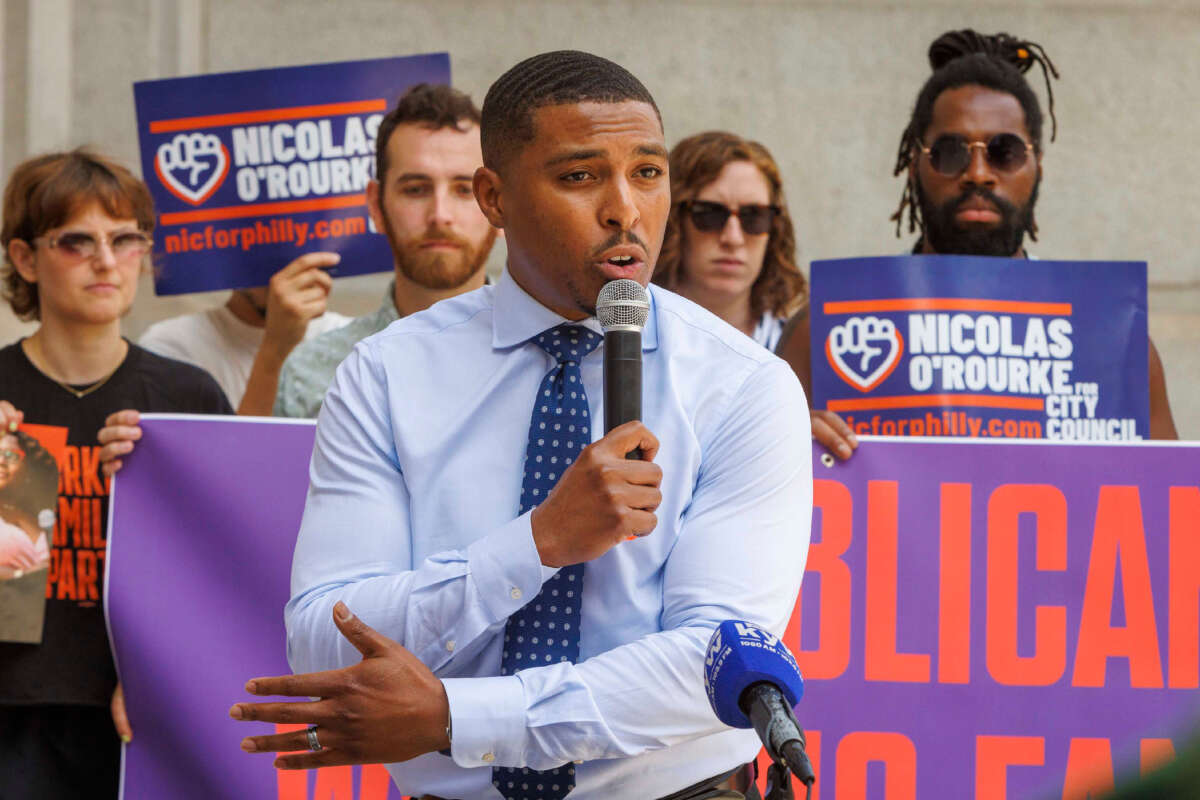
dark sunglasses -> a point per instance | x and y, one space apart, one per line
950 153
711 217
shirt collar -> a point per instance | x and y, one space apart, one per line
517 317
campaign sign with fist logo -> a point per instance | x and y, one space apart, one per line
969 346
249 170
863 351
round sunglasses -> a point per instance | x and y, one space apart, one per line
711 217
84 246
950 153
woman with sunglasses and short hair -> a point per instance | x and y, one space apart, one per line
76 234
729 244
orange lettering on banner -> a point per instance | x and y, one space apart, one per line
995 754
291 784
954 585
1089 769
376 781
332 783
882 662
1183 668
335 783
1005 506
1118 530
1154 753
825 563
895 750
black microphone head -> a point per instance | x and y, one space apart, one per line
623 305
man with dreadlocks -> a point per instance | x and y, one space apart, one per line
539 604
971 156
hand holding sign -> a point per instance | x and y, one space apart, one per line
832 431
389 707
297 295
10 417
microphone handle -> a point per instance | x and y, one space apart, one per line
777 728
622 380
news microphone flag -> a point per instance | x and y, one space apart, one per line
741 654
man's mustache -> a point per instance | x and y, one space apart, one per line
1006 209
618 239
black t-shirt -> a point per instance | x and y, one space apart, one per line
73 664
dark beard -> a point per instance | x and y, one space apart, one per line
943 234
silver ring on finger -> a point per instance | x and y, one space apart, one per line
313 744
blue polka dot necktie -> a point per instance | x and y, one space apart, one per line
546 629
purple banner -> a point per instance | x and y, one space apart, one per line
203 521
978 620
999 620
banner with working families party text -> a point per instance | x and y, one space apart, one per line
249 170
203 521
982 347
987 619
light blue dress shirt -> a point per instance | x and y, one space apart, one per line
411 520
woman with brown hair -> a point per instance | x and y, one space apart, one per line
729 244
76 236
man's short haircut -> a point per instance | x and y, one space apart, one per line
966 58
47 191
429 105
562 77
695 163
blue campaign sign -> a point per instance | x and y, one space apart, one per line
250 169
974 346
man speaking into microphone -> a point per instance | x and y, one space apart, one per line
491 598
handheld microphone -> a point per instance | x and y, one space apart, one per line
753 682
622 309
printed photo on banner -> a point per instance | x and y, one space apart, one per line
982 347
989 619
29 459
250 169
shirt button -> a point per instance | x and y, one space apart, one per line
488 757
515 593
450 646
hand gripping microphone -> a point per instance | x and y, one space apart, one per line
753 681
622 309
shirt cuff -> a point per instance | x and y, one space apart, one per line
507 568
488 720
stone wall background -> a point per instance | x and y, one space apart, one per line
827 86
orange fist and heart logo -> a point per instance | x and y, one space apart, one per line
864 351
192 166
